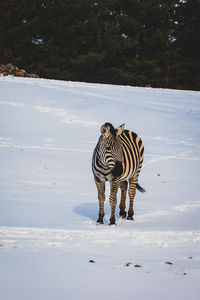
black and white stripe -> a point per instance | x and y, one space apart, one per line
117 158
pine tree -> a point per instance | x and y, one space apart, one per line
135 42
187 42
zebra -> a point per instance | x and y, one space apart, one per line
117 158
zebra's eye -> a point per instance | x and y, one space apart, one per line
107 147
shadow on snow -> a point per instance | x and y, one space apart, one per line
91 210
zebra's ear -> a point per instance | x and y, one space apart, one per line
105 131
119 129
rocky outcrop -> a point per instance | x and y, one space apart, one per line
10 69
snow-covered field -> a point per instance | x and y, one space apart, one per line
50 245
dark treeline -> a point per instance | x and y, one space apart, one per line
131 42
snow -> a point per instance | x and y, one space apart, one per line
48 199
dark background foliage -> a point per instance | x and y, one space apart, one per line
131 42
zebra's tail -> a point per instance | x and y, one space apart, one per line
139 188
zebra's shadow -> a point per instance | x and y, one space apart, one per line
91 210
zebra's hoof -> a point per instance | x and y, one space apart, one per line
111 224
130 218
100 221
122 214
112 221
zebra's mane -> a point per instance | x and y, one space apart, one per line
112 129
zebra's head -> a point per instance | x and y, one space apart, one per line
107 130
110 145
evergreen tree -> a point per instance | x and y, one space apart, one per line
135 42
187 70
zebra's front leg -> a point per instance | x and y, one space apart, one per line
123 185
131 192
113 200
101 196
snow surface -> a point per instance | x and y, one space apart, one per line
48 199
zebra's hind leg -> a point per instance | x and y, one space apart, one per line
113 201
131 192
101 196
123 185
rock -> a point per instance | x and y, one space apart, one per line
10 69
91 261
32 75
20 73
130 264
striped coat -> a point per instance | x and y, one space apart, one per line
117 158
